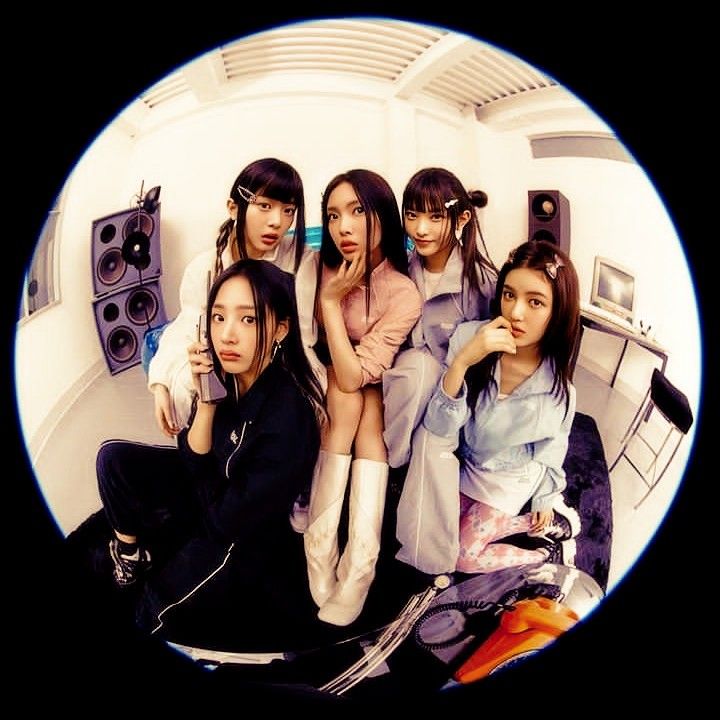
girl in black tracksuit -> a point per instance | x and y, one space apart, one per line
206 524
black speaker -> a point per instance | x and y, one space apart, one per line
125 249
123 317
549 217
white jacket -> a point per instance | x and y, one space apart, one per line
170 366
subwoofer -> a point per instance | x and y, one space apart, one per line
125 249
122 319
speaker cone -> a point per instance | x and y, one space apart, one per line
544 235
138 221
122 344
136 250
111 266
141 306
543 207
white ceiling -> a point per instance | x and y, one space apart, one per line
399 59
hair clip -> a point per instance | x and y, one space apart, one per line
551 268
246 195
450 203
511 256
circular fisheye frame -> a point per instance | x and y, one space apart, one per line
108 288
513 661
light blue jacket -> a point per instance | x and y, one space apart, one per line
530 424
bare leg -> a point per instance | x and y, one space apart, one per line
345 411
369 443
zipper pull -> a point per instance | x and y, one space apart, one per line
234 436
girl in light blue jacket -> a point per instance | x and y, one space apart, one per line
456 281
495 433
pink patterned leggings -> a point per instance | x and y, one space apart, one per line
480 525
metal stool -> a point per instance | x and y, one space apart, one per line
673 406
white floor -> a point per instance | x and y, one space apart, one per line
121 407
632 528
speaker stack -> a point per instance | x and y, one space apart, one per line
126 267
549 218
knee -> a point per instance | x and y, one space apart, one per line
106 460
465 565
415 371
406 367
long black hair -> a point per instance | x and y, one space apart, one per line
380 204
437 190
273 292
275 179
562 334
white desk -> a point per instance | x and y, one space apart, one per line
599 323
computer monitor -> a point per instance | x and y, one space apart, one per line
613 288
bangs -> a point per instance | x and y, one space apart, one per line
425 197
281 186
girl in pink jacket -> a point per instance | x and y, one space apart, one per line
366 306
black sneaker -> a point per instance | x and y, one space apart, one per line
563 526
299 515
557 553
128 568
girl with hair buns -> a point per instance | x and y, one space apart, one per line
456 280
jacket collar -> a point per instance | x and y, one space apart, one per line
271 256
539 383
270 379
451 279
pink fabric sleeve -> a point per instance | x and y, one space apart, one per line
378 347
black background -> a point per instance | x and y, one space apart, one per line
72 78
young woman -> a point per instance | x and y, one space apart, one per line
265 200
457 282
498 424
206 523
366 306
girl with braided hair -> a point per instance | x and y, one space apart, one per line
264 202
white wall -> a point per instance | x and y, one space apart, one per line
195 157
56 348
615 212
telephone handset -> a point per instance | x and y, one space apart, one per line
211 389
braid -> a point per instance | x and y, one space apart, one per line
221 243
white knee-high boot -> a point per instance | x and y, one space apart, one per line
356 569
320 538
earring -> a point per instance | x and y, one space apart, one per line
458 236
275 347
